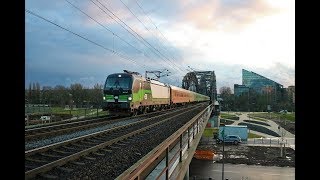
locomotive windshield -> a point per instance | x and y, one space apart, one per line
117 82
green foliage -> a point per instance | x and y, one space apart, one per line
256 118
255 102
208 132
75 95
251 135
275 116
229 116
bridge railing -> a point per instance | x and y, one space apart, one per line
171 158
287 142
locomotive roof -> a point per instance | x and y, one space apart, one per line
126 75
158 83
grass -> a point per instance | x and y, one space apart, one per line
256 118
251 135
208 132
288 116
75 113
228 116
78 111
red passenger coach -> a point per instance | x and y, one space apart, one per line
179 95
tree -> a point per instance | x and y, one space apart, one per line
30 94
38 93
60 95
77 92
227 97
97 94
47 94
33 94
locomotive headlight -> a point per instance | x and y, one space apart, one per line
129 98
104 98
116 97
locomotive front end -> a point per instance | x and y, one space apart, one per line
117 94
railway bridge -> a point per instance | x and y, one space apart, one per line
171 158
140 150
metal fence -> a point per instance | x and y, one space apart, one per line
37 108
287 142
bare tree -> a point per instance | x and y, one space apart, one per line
225 93
77 93
47 94
60 95
97 94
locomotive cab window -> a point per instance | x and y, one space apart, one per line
118 82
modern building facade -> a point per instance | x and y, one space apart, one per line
261 85
240 89
291 94
258 82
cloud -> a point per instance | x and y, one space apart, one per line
280 73
196 31
226 15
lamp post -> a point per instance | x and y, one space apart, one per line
85 109
249 100
222 133
70 102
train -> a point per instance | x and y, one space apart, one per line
129 93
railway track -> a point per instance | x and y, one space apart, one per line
90 147
47 131
55 130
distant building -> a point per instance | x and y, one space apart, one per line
261 84
291 93
258 82
240 89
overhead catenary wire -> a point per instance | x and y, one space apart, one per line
156 27
137 36
89 40
120 23
142 39
168 60
107 29
93 42
104 26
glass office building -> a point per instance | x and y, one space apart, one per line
240 89
260 84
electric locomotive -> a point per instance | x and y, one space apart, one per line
129 93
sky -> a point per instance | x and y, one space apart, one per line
86 40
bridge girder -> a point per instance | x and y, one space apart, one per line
203 82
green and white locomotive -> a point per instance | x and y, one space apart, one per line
129 93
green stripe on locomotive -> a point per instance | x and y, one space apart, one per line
140 95
122 97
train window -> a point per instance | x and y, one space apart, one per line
118 82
